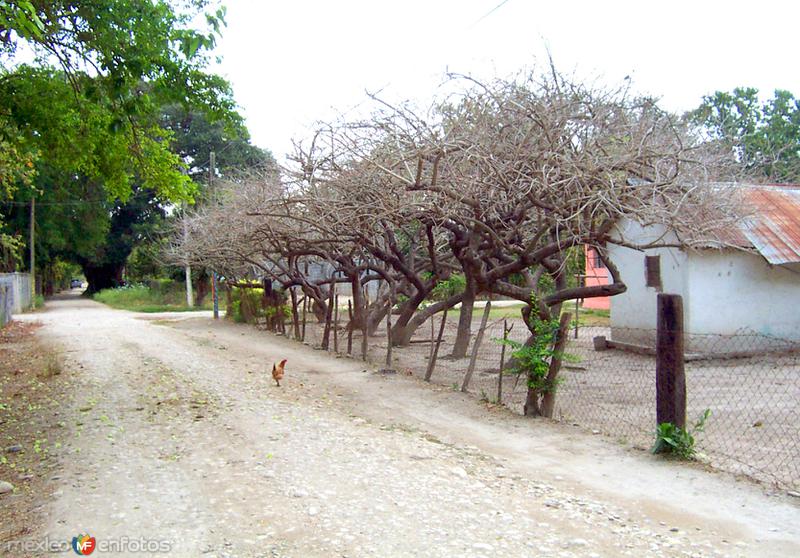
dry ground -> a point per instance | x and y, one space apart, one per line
754 427
174 432
32 392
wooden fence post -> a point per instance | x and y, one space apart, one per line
476 346
389 329
336 324
295 316
350 327
670 374
305 309
432 361
326 335
506 331
433 337
365 329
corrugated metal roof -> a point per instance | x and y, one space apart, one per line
773 224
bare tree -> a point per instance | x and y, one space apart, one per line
498 181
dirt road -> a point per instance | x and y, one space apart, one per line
177 440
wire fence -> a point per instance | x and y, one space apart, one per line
749 382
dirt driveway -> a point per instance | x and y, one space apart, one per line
177 440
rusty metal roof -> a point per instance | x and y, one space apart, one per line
773 223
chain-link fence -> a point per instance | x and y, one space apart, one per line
750 383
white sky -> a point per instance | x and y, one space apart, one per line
294 62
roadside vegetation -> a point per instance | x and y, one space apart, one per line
153 296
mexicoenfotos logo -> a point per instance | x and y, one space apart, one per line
83 545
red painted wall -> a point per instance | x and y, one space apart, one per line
596 274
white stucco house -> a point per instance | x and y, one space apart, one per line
738 298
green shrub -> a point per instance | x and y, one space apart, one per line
246 305
679 442
533 361
455 284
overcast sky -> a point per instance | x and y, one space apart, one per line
297 61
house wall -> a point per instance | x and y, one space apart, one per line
733 301
633 313
731 292
595 275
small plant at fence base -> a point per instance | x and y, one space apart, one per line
534 360
679 442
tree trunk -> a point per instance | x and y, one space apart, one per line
531 408
376 314
465 321
549 397
401 332
358 315
102 277
295 314
203 288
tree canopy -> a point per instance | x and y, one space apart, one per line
99 150
764 135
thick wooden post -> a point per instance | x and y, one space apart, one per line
670 375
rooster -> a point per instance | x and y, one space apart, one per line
277 372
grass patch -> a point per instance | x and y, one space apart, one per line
499 312
142 298
587 316
594 317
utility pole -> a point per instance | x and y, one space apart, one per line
212 165
214 294
187 269
33 252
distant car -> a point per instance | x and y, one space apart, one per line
75 284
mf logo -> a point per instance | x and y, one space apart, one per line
83 545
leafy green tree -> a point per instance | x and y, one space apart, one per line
130 223
195 136
122 43
139 221
764 135
85 167
95 155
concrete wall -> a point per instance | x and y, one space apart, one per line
733 301
15 295
733 291
633 313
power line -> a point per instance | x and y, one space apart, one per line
65 202
490 12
